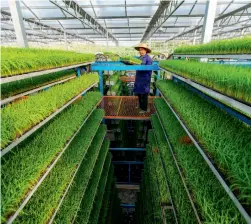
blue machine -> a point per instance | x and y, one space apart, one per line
102 66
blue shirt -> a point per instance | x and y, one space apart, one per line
143 78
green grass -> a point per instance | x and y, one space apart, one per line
43 203
20 117
229 80
100 196
131 60
17 87
16 61
39 152
224 138
98 178
214 204
70 205
231 46
185 213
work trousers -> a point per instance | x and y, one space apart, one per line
143 101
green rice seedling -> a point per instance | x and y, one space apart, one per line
224 138
229 80
184 211
109 190
214 204
131 60
151 208
111 56
231 46
160 173
20 117
46 199
100 197
16 61
113 79
99 176
71 203
17 87
114 90
26 164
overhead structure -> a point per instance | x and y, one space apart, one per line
165 10
84 17
126 21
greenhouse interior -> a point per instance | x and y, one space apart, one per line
125 111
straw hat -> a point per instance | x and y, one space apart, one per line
143 45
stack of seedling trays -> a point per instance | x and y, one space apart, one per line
154 202
51 168
209 146
115 85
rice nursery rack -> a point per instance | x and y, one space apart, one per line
236 108
211 165
43 72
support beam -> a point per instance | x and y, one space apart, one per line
165 10
80 14
209 21
18 23
221 17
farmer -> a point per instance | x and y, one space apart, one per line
143 78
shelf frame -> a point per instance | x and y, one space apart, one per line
42 123
220 56
71 181
225 186
179 170
217 98
29 92
43 72
46 173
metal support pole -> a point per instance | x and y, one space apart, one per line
208 25
129 173
78 72
101 85
158 78
17 18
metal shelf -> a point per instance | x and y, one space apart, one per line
179 170
212 167
38 73
168 189
45 174
12 98
35 128
220 56
70 183
220 100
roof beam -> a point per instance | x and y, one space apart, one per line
224 16
41 26
165 10
84 18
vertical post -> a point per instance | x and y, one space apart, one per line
18 23
158 77
208 25
78 72
101 86
129 173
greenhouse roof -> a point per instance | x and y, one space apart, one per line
125 21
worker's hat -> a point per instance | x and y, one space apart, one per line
143 45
